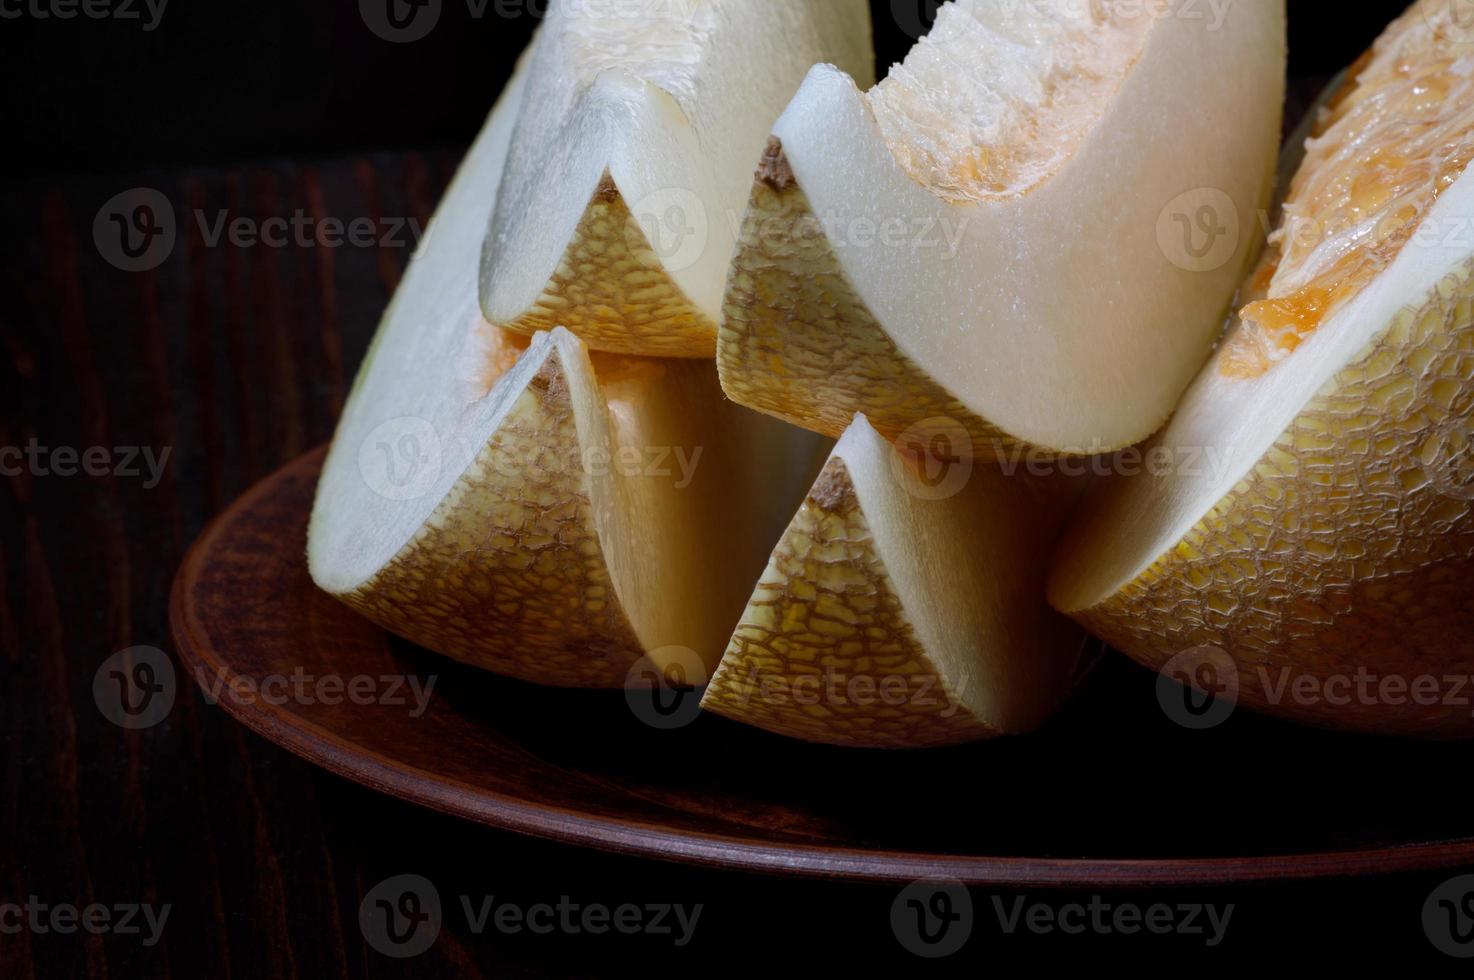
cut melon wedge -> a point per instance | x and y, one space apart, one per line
517 505
1322 535
904 608
992 235
633 156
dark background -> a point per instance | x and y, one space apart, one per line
221 82
240 362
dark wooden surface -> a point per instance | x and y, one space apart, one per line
238 359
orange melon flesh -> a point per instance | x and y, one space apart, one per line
1398 136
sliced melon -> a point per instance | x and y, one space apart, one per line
633 157
991 235
522 507
1322 535
904 607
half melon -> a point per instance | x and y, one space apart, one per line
904 607
524 507
632 160
1032 227
1321 535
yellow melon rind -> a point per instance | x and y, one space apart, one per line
612 291
508 574
1348 548
825 652
797 342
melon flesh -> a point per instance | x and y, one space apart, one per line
632 159
979 237
524 507
900 612
1325 530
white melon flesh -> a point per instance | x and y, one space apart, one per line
902 612
522 507
1316 522
987 237
633 157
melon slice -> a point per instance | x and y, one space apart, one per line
992 235
633 157
904 607
1318 529
521 506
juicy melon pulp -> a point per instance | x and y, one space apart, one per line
968 134
1398 136
919 580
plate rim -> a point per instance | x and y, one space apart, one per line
638 838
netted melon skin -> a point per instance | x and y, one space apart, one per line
797 342
612 291
508 574
1349 547
824 613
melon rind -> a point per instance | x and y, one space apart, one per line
611 290
824 359
1347 548
891 616
827 599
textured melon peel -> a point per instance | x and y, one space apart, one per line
824 359
509 574
1348 548
887 619
611 289
1327 554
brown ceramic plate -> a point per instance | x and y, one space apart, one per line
1114 793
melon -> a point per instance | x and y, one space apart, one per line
632 157
1031 228
904 607
526 507
1321 541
